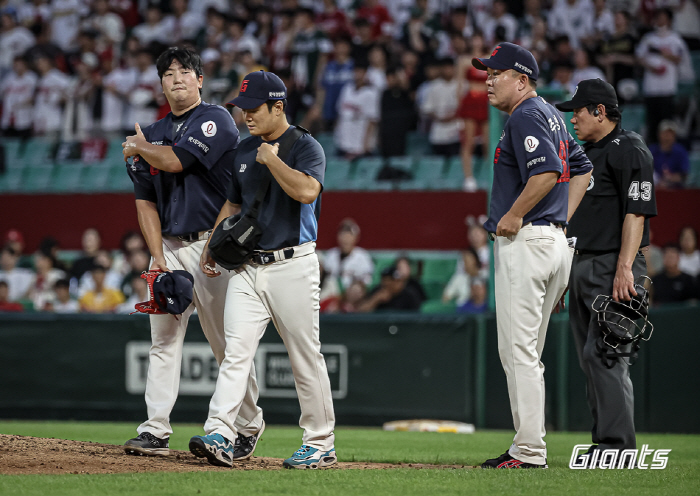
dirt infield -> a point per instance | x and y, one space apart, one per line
33 455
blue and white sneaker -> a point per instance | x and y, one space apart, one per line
308 457
214 447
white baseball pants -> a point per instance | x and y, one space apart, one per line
286 292
168 335
532 271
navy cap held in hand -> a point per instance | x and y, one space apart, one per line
173 292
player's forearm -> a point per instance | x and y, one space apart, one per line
536 188
160 157
632 231
577 188
149 221
299 186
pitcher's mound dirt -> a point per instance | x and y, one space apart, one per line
33 455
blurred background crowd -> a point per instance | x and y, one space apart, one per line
367 77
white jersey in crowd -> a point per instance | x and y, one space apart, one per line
649 49
245 42
507 21
690 264
184 28
51 93
357 266
590 72
13 43
18 280
115 104
110 26
441 101
18 100
141 97
575 21
356 109
65 22
146 33
71 306
41 292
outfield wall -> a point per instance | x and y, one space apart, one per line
382 367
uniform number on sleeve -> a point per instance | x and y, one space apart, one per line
635 191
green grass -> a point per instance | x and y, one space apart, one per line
681 477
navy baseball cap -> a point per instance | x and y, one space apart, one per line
590 92
509 56
257 88
172 291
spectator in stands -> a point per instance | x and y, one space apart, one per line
116 85
18 279
392 293
405 271
563 78
153 28
63 302
473 108
51 94
686 22
458 288
573 18
348 262
337 73
34 15
182 24
310 48
397 114
478 298
238 41
50 247
358 113
661 52
112 279
603 25
500 18
330 289
479 240
215 29
352 297
654 256
138 261
100 299
440 105
5 304
279 47
378 17
584 69
91 241
15 240
672 285
41 291
65 22
689 257
15 40
18 100
109 27
131 241
529 22
146 94
362 40
81 100
376 71
138 292
671 159
616 53
333 21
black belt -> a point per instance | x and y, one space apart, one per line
193 236
268 257
601 252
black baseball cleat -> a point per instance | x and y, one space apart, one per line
244 446
147 444
507 461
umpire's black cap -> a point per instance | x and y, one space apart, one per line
509 56
590 92
257 88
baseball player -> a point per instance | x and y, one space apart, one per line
540 173
180 173
610 226
281 281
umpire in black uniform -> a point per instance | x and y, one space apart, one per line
611 226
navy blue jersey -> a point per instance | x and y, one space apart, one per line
534 141
622 183
285 222
189 201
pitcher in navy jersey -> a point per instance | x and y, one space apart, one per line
180 172
540 176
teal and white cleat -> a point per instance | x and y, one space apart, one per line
313 458
214 447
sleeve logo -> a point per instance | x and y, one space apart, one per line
209 128
531 144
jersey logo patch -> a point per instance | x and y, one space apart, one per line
591 183
243 166
209 128
531 144
616 141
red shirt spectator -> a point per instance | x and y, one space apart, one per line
377 15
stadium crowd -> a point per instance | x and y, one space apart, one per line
368 71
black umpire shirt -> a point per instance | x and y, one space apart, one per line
622 183
205 141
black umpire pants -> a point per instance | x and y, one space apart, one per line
609 390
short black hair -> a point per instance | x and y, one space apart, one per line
187 57
271 103
62 283
612 113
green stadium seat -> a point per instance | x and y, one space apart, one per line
67 177
11 180
337 174
365 173
436 306
95 178
404 162
118 178
634 117
38 152
417 144
37 178
13 150
326 141
433 289
438 269
428 172
694 173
